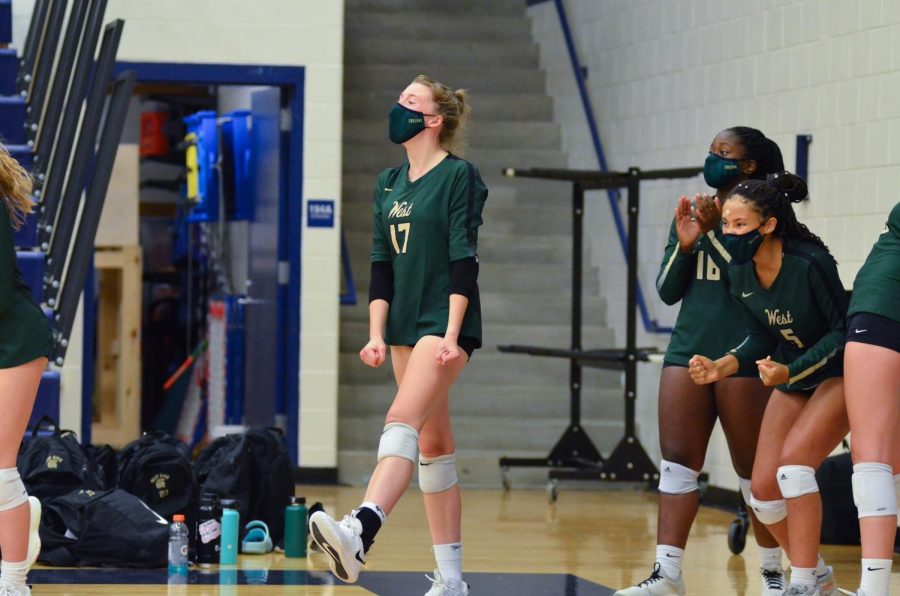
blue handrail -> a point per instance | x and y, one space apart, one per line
650 325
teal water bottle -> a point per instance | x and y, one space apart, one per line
295 528
230 524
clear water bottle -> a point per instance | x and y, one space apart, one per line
178 546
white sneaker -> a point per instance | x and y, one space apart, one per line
826 584
34 537
803 591
772 581
8 589
446 586
341 542
656 585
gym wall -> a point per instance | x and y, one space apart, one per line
665 77
306 33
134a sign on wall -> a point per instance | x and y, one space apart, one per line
320 214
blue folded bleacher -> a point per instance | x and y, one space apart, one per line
47 402
12 120
31 264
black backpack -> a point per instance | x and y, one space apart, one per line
55 465
157 469
254 469
102 528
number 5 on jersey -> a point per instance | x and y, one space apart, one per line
404 229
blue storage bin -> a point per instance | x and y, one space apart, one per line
12 120
31 264
203 127
236 166
9 66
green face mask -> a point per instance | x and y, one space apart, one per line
718 171
405 123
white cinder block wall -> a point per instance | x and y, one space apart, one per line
308 33
666 76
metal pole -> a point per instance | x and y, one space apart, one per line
634 190
577 257
32 43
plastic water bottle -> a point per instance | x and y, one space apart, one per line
230 524
178 546
295 528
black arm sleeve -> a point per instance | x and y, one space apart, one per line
381 284
463 276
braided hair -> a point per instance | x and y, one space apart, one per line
773 197
761 149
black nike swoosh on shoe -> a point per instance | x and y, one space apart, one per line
671 556
331 552
359 559
874 568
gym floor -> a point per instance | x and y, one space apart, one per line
515 544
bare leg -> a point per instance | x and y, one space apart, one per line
781 413
18 387
741 403
423 383
872 384
444 509
687 414
819 428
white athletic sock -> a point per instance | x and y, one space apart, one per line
876 577
378 510
670 559
821 567
449 559
770 558
14 573
803 576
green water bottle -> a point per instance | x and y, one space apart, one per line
295 528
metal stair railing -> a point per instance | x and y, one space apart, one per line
81 161
32 44
83 248
55 150
46 58
49 116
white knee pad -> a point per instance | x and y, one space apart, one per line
745 490
769 512
796 481
437 474
873 490
12 491
897 486
398 440
675 479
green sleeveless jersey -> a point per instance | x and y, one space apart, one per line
24 331
421 227
803 315
876 289
706 324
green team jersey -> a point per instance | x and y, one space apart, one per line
24 331
705 323
803 314
421 227
876 289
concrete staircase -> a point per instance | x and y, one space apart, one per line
503 404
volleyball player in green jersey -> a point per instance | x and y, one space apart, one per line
688 412
787 281
423 302
872 389
25 343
